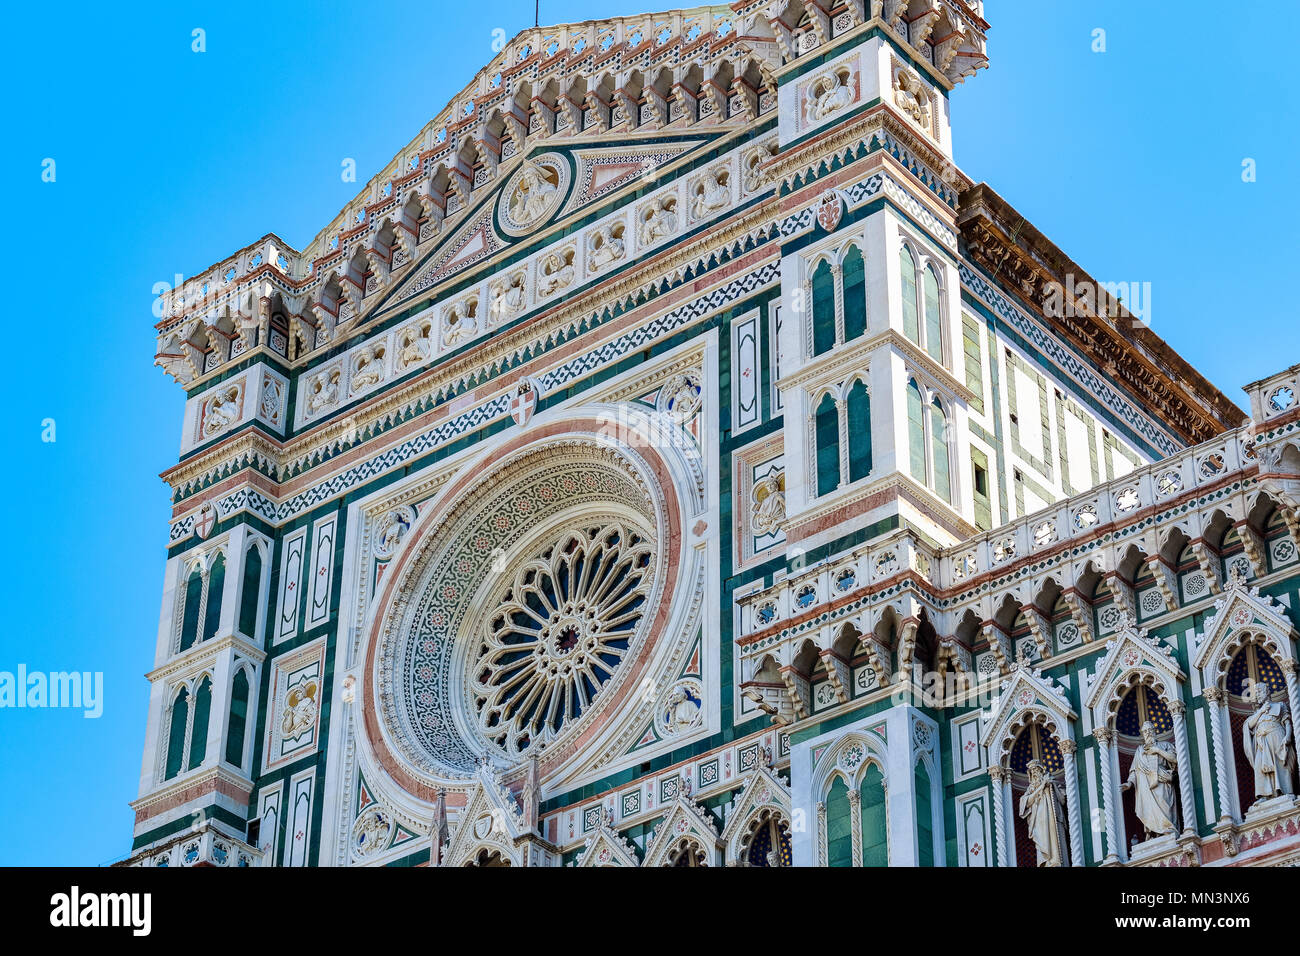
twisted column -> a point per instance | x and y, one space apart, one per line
855 820
1104 736
1214 698
1178 709
999 814
1072 811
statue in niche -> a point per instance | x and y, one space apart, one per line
1151 776
222 410
606 246
324 391
414 345
1266 737
368 367
769 503
1042 807
507 298
830 94
910 96
711 193
658 221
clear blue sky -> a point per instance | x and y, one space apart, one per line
168 160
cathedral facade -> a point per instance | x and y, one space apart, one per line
673 458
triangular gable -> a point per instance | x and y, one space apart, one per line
606 847
491 819
1239 611
1027 690
1132 649
685 818
764 790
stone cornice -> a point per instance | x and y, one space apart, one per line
1001 241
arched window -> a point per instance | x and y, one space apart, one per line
839 825
199 734
922 303
924 816
1254 666
859 421
239 693
827 430
933 324
929 457
855 294
907 270
250 599
176 734
875 832
1139 705
916 431
193 599
939 451
770 844
823 307
1034 744
216 581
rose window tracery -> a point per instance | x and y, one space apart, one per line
560 629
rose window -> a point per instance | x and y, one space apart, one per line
557 633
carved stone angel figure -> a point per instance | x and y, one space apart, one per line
1151 775
1043 809
1266 738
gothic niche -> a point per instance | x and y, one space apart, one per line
658 219
1038 799
769 841
911 97
1148 765
605 245
1263 741
830 93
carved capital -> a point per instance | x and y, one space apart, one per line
1212 695
1103 736
1068 747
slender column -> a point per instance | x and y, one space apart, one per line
855 820
821 833
1292 689
842 421
999 814
837 279
1104 736
1072 803
1214 698
1178 709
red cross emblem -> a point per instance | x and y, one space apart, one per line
206 520
523 403
829 211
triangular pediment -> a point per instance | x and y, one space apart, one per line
763 790
685 819
1129 650
606 847
491 819
1241 610
1028 690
